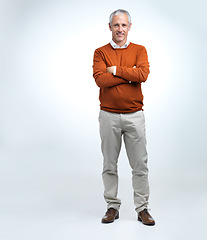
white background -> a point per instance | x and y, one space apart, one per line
50 158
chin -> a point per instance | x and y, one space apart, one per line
120 39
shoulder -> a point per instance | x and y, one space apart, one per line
137 47
104 48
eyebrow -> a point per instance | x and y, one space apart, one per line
120 24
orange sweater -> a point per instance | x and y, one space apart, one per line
117 94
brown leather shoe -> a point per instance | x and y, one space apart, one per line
110 215
146 218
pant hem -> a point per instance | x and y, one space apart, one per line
138 210
116 207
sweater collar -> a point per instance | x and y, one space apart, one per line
114 45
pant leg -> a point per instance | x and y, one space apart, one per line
111 134
135 143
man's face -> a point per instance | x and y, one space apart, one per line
120 27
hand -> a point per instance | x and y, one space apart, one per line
110 69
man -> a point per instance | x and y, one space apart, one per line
119 68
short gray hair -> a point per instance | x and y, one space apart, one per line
117 12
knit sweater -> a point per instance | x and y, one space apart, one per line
121 93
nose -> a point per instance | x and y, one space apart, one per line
120 28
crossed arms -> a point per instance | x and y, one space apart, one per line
124 75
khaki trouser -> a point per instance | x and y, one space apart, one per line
132 127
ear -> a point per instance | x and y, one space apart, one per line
130 26
110 27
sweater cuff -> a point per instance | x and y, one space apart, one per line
118 71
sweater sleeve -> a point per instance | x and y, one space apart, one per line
104 79
138 74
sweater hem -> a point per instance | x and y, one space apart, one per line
121 111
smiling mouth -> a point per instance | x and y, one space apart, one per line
120 34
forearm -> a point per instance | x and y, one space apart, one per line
139 74
108 80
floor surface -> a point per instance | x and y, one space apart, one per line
61 206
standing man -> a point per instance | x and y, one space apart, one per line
119 68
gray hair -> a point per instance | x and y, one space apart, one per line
117 12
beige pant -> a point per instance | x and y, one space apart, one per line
132 127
